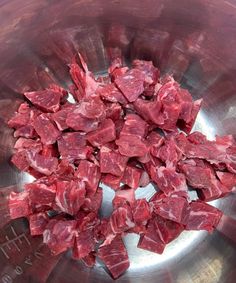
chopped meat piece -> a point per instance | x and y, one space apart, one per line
112 162
123 197
131 84
141 211
60 117
151 240
134 125
40 193
89 260
131 146
115 257
72 146
202 216
42 164
20 119
114 111
20 161
47 100
90 174
45 129
121 219
110 93
227 179
154 141
70 196
59 235
25 131
144 179
132 176
84 244
93 203
111 181
103 134
150 72
49 150
91 108
65 169
19 205
37 223
23 143
172 208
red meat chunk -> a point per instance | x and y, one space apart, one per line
59 235
70 196
131 84
38 223
114 111
110 93
115 257
84 244
105 133
19 205
90 174
132 176
93 203
151 240
60 117
91 108
123 197
227 179
45 129
40 193
112 162
25 131
111 181
23 143
72 146
47 100
121 219
141 211
134 125
131 146
202 216
42 164
21 118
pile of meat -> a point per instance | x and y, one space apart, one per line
124 130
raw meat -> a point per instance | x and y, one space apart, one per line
115 257
122 130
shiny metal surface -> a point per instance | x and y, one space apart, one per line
195 40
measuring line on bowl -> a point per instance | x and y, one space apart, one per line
15 241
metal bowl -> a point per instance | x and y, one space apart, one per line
192 39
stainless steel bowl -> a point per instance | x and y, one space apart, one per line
195 40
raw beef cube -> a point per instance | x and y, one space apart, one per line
63 93
154 141
86 221
65 169
227 179
149 110
59 235
111 181
169 116
72 146
118 72
121 219
77 122
172 208
134 125
93 203
114 111
141 211
103 134
84 244
40 193
131 84
110 93
112 162
144 180
151 168
115 257
123 197
185 99
89 173
19 205
23 143
171 182
132 176
37 223
70 196
89 260
91 108
47 100
25 131
168 153
131 146
150 72
60 117
217 190
167 230
42 164
45 129
202 216
50 150
19 159
20 119
151 240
